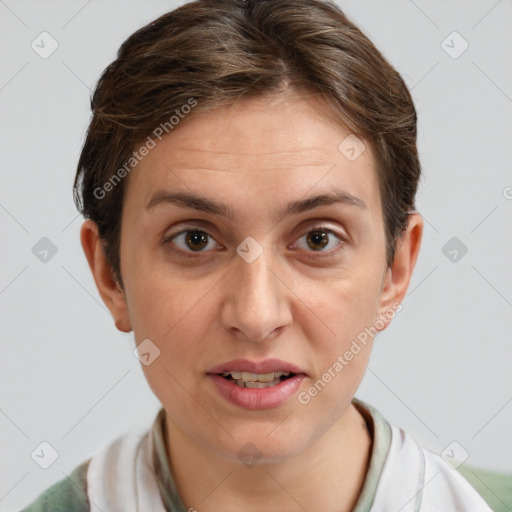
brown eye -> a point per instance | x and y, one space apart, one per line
196 240
317 239
190 241
321 240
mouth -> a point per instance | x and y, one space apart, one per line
257 380
257 385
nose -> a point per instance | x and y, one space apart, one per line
257 302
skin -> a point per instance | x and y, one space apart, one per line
290 303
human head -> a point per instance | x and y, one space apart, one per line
216 52
263 129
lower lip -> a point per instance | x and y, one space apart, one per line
257 398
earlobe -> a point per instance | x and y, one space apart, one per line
398 276
109 289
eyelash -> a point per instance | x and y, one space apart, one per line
191 254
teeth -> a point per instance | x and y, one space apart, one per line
252 380
261 377
244 384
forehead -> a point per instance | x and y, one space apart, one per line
257 150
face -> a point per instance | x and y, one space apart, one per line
254 276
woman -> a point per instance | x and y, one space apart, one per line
248 180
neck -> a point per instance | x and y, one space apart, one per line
328 475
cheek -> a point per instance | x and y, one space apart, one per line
340 356
338 309
162 300
178 315
176 318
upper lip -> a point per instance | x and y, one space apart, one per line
266 366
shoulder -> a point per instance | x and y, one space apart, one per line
447 485
115 477
67 495
494 486
418 479
122 476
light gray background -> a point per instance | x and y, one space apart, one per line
441 371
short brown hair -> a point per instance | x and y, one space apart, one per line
220 51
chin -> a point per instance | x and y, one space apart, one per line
263 445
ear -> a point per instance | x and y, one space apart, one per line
397 277
111 292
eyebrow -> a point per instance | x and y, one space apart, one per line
204 204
